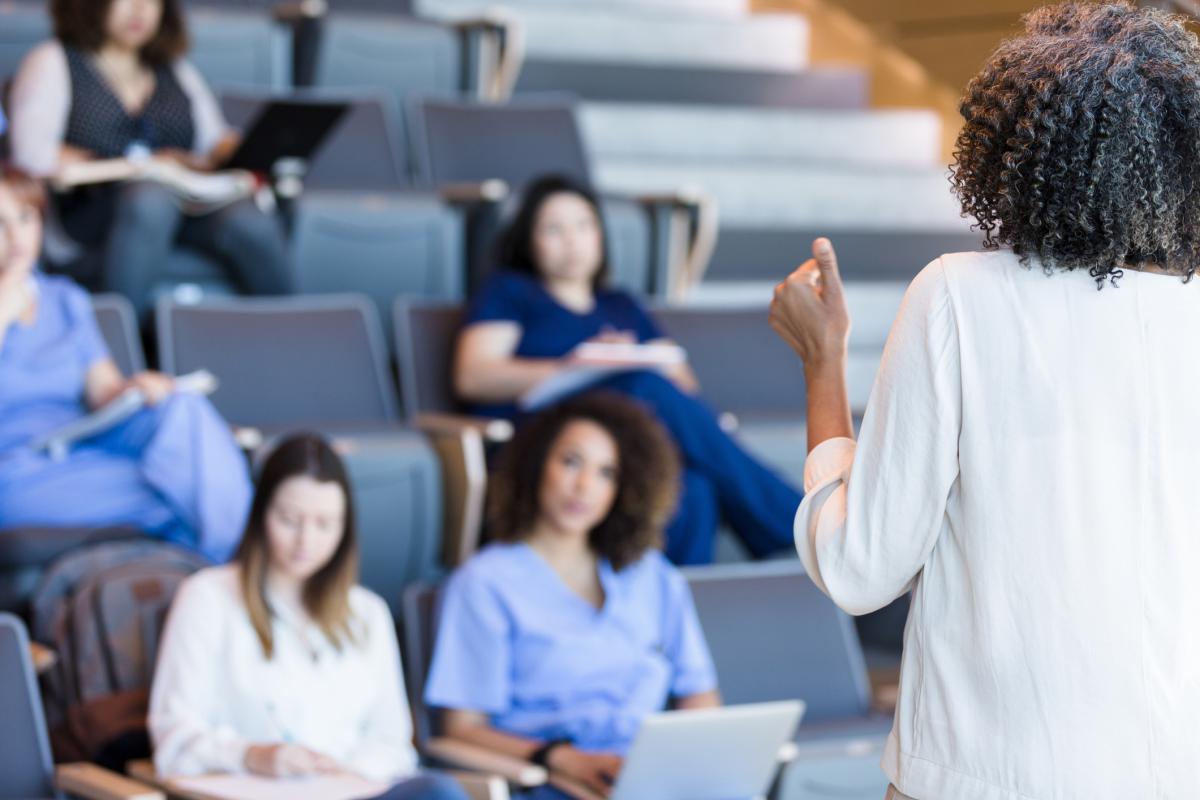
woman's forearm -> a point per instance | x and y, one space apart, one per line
484 735
503 380
828 401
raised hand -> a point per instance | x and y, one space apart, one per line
809 309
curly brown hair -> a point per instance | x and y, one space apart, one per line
1082 142
82 24
648 473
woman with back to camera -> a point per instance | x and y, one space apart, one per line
556 640
114 84
548 297
1028 459
172 470
279 664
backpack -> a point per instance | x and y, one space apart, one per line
102 608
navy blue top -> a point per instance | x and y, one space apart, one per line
548 328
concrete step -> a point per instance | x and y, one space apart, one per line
768 254
797 196
818 88
615 33
672 134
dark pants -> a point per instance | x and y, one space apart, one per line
425 787
720 478
147 224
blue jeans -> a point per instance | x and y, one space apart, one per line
425 787
148 224
720 478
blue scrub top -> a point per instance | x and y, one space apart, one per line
516 643
43 366
548 328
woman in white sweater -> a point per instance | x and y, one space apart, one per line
1029 456
278 664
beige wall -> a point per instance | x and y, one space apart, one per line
919 53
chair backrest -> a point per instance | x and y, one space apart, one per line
797 644
717 341
26 770
419 622
380 245
233 48
359 154
118 326
284 361
22 26
387 52
460 142
425 334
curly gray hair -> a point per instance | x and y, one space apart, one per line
1082 142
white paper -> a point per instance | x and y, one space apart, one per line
252 787
595 362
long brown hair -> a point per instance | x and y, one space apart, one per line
326 595
28 190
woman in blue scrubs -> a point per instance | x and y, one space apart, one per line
558 639
172 470
548 298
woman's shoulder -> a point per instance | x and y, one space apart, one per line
45 57
210 592
652 569
498 566
63 291
369 606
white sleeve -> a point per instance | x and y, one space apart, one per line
872 511
385 743
186 683
40 105
210 123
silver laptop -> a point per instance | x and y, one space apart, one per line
726 753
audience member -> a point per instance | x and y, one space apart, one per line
114 84
1028 460
555 641
172 469
548 297
278 664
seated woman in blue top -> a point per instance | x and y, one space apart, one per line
525 325
556 640
172 470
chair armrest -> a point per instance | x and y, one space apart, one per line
493 430
96 783
495 42
481 787
462 453
491 191
480 759
298 10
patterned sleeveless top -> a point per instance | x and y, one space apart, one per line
100 124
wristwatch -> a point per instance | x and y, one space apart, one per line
541 756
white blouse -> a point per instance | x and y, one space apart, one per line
1028 466
215 693
41 105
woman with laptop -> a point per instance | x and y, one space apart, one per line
1028 461
279 665
559 638
114 85
543 313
